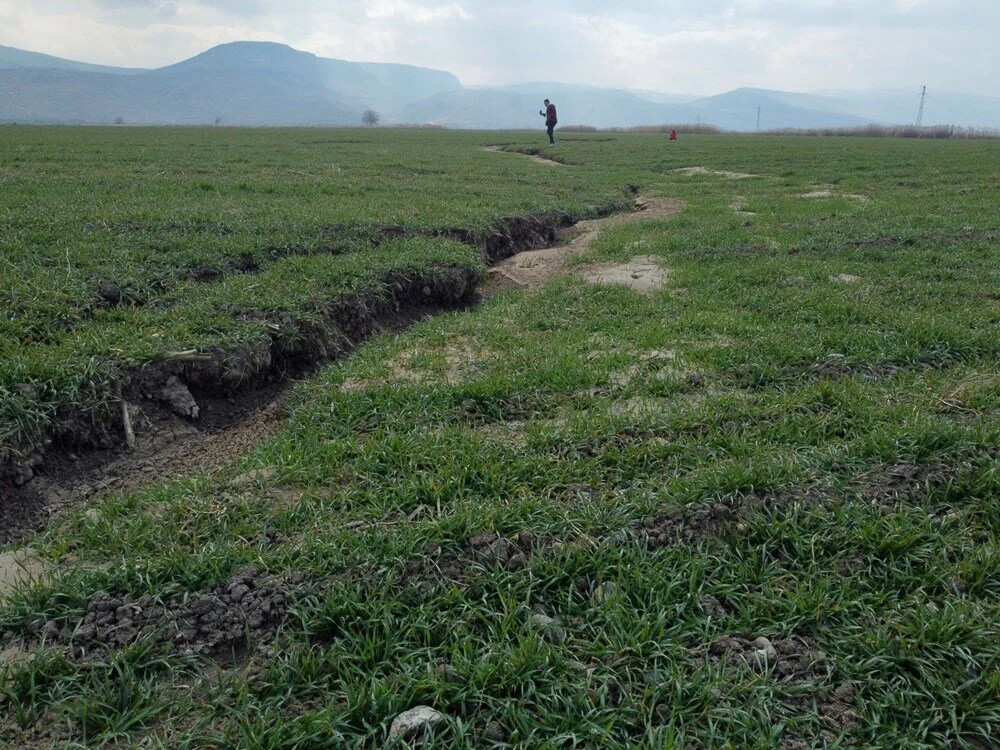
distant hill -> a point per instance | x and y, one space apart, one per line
506 108
11 57
263 83
242 83
737 110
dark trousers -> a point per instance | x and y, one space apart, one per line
552 138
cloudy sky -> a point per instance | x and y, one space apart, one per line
681 46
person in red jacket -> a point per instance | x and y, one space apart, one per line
550 120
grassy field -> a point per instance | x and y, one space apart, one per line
564 518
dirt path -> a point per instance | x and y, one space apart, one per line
533 268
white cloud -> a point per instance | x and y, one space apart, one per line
407 12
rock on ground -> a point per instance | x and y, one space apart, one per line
413 723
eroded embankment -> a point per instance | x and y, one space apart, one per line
200 409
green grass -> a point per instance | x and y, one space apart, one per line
821 452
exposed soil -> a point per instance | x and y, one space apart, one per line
826 193
19 567
692 171
643 274
251 604
533 268
542 157
694 523
802 673
202 411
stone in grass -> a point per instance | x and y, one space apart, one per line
414 723
764 653
606 592
549 627
494 732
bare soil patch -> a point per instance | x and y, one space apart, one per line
250 604
534 268
18 567
802 675
692 171
643 273
827 193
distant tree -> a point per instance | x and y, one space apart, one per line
119 120
218 121
370 118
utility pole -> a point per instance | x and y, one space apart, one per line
920 112
758 119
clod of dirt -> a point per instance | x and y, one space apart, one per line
712 606
251 478
204 273
110 294
642 273
693 523
791 658
251 603
177 396
900 480
414 723
18 567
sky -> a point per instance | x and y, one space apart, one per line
674 46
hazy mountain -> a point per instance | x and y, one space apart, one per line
941 107
737 110
504 108
243 83
10 57
261 83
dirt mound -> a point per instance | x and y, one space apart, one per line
693 523
487 549
802 673
252 604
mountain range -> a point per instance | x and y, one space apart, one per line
264 83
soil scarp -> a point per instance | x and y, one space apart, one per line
192 397
171 413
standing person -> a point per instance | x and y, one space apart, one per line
550 120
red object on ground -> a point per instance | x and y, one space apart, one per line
673 135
